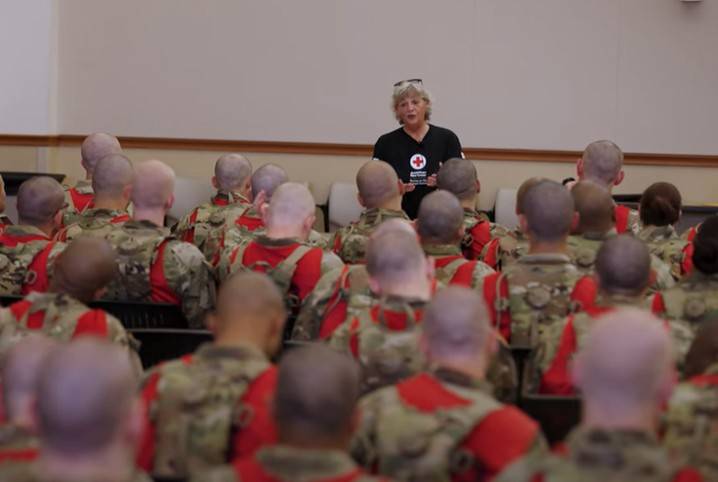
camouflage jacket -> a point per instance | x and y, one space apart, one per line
350 241
77 198
529 296
584 248
96 222
17 444
664 243
26 259
155 267
325 309
691 434
597 455
32 472
429 428
203 226
478 232
4 222
505 248
452 268
282 463
383 337
627 220
202 407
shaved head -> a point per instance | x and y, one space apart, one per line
594 206
456 324
20 372
548 209
704 349
86 266
268 178
377 183
246 297
705 246
394 257
440 219
113 173
153 186
626 361
602 162
393 225
458 176
623 265
317 392
38 200
291 205
524 188
86 394
232 172
660 205
95 147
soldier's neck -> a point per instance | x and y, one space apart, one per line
473 368
155 216
48 229
469 204
110 204
284 232
415 291
393 204
112 464
619 416
300 439
548 247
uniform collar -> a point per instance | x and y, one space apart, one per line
377 215
145 224
265 240
25 230
239 351
615 299
598 235
655 233
545 258
224 198
442 249
612 449
454 377
290 463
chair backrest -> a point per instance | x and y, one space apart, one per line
158 345
505 208
189 193
344 207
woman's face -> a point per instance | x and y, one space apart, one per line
411 111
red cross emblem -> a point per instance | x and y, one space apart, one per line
417 161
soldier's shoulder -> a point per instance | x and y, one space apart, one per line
184 252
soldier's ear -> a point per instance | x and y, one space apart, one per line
127 192
361 200
170 202
619 178
264 211
134 426
214 182
211 322
374 285
575 220
523 223
579 168
478 186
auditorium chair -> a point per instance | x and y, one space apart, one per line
344 207
189 193
505 208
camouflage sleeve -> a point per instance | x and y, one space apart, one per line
481 271
524 469
340 338
662 278
363 445
220 473
330 261
182 226
313 309
190 276
117 333
320 240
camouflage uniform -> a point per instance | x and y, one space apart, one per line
453 268
30 472
530 295
598 455
207 409
664 243
282 463
583 249
26 259
4 222
505 249
627 220
95 222
17 444
430 427
77 199
204 225
326 307
692 423
478 233
155 267
350 241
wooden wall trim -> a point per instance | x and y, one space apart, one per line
363 150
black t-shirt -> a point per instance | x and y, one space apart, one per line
415 161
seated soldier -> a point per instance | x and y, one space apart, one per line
79 197
596 224
82 271
623 270
458 176
660 210
26 250
538 290
155 267
694 298
602 163
506 247
231 178
213 406
4 220
88 417
444 424
383 334
440 225
625 373
315 413
380 194
282 251
112 185
20 372
691 422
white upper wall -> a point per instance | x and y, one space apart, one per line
28 73
526 74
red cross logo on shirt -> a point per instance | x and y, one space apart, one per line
417 161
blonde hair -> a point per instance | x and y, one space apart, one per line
405 89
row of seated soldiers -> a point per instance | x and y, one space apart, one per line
375 311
